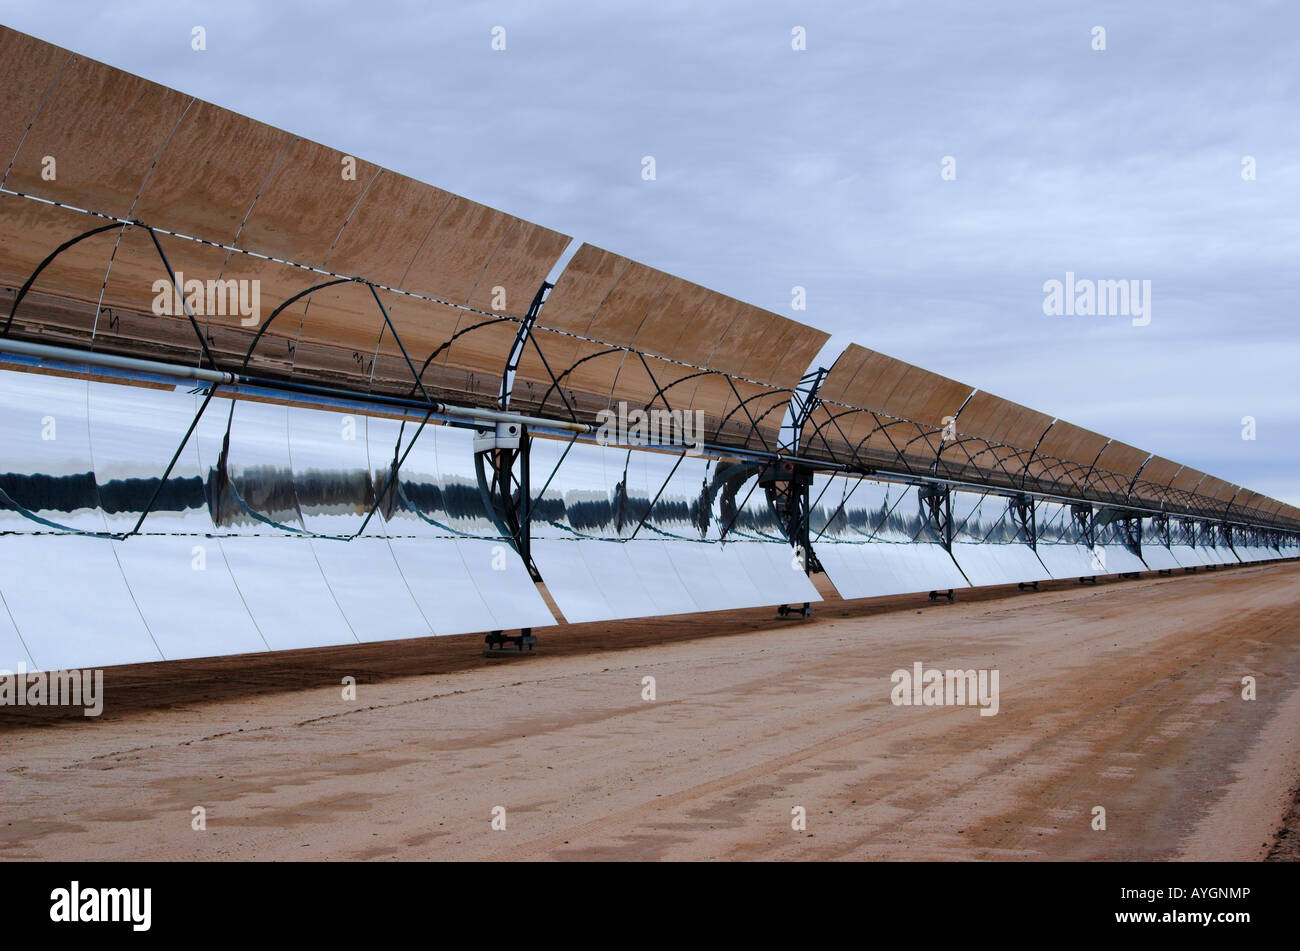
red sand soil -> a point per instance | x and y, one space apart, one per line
1125 695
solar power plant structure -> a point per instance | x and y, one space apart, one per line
258 395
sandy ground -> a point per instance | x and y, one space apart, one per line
1126 695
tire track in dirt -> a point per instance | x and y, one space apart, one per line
1112 692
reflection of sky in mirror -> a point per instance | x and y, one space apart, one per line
44 433
860 510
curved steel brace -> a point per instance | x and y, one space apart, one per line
446 344
662 390
934 466
854 448
1000 460
804 400
1055 471
743 404
1132 484
988 447
884 428
522 336
1088 478
1034 452
281 308
27 285
555 385
391 479
198 331
832 419
761 416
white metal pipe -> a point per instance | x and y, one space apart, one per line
44 351
71 355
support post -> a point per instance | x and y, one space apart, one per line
1210 538
1130 524
936 513
1082 514
501 462
1190 534
1024 512
1160 523
787 486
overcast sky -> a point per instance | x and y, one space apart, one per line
822 168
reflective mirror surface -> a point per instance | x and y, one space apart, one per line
255 540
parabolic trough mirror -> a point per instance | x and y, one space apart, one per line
278 528
988 542
872 539
620 532
287 526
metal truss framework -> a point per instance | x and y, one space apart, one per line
934 458
1058 477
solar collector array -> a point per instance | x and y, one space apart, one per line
284 564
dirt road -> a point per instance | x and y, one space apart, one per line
1126 696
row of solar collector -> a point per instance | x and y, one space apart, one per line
274 531
284 526
365 276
